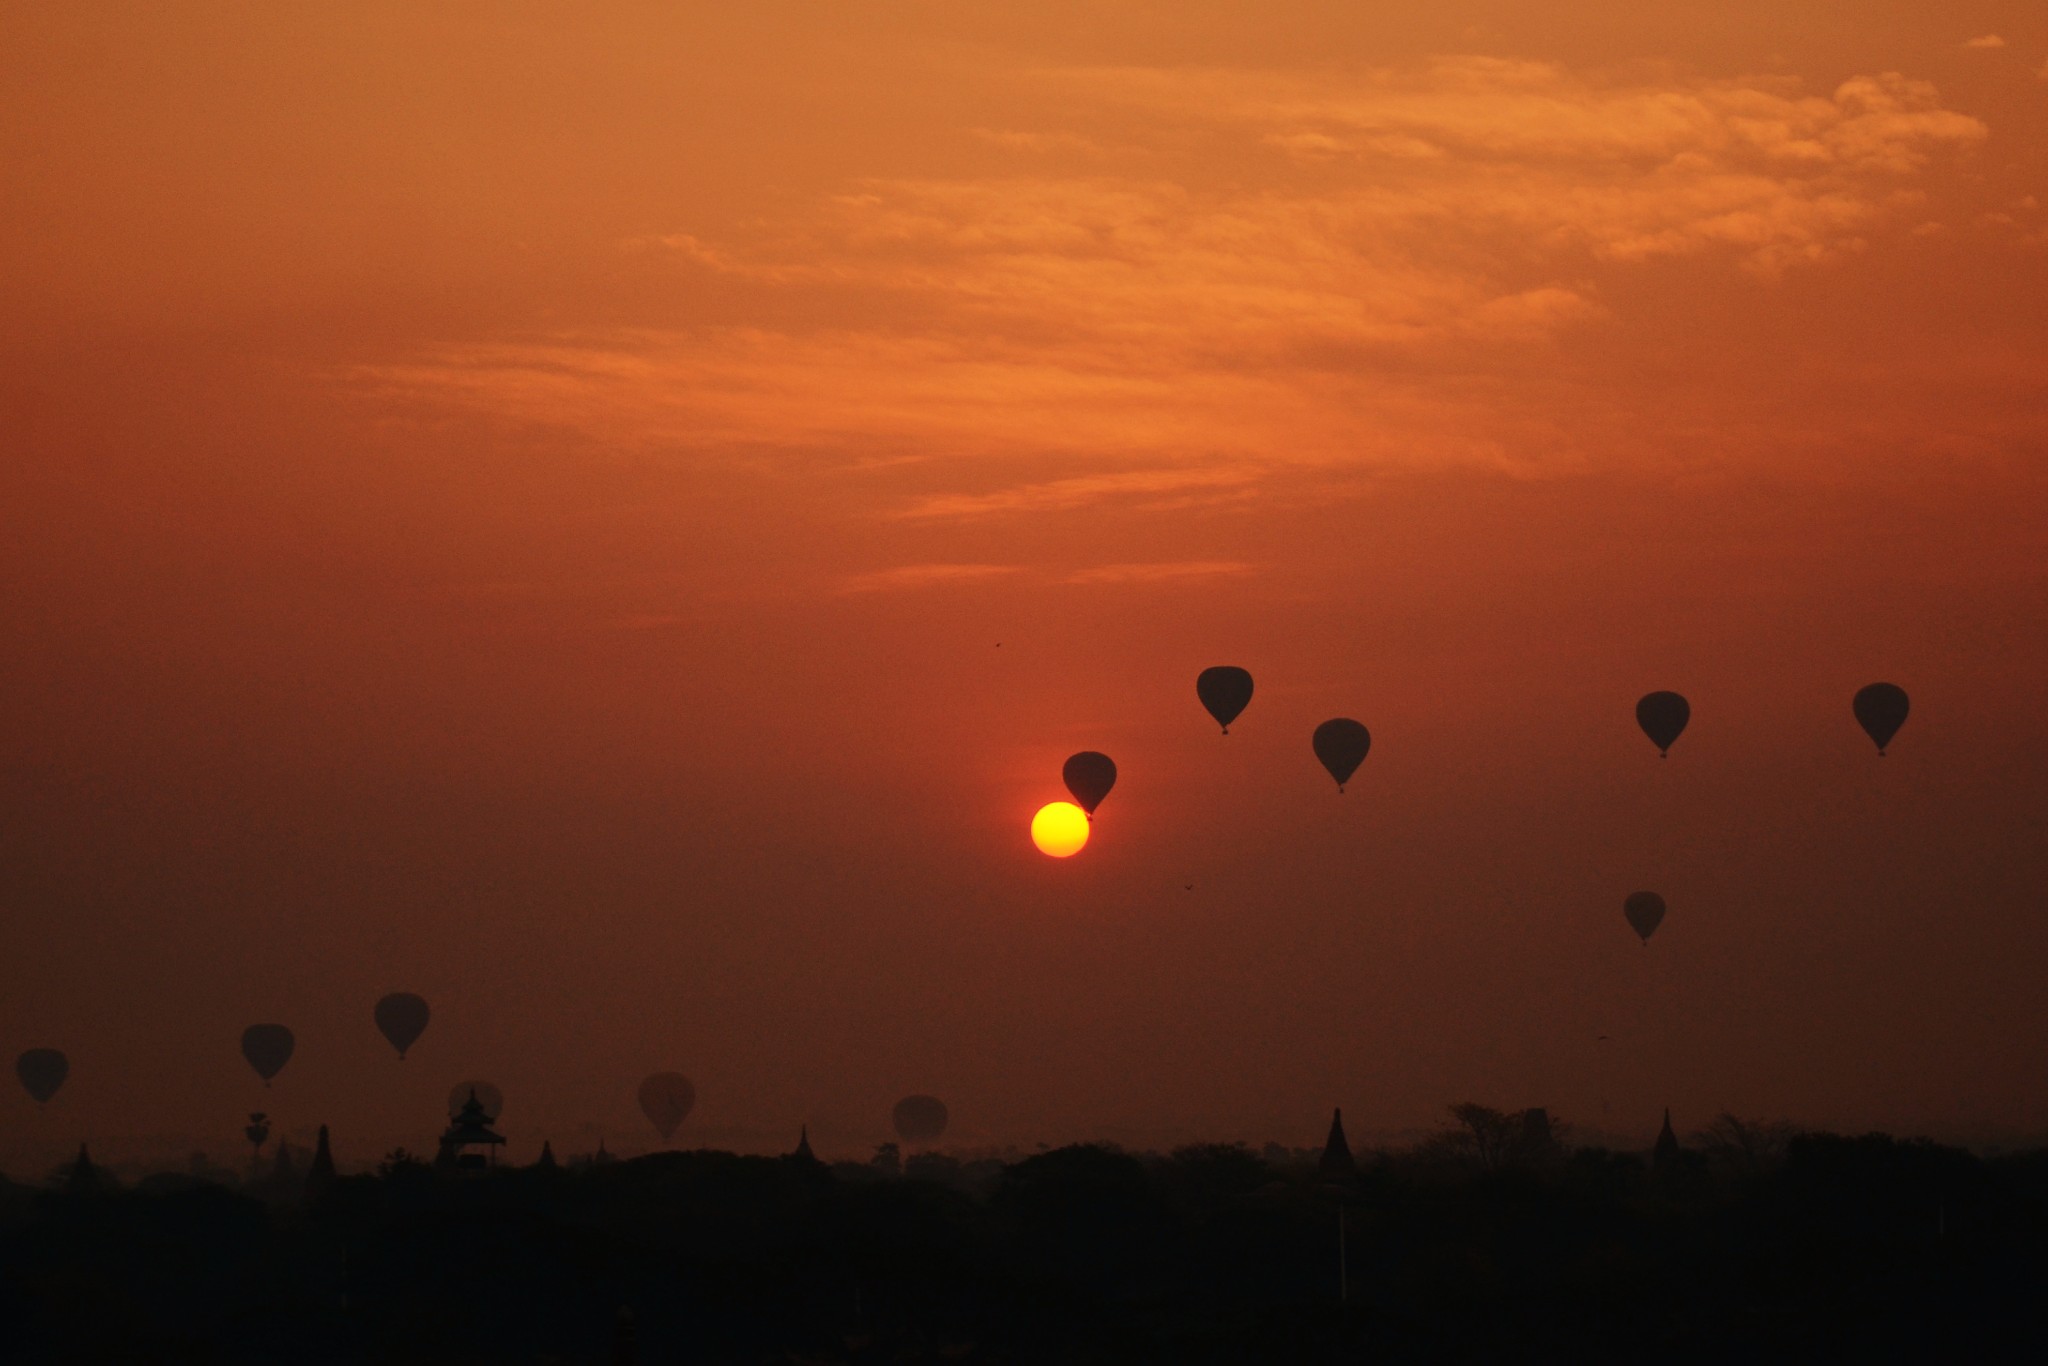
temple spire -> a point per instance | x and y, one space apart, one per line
1337 1163
471 1129
320 1175
82 1177
803 1151
1667 1143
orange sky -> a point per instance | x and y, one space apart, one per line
518 503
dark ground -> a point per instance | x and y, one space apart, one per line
1820 1247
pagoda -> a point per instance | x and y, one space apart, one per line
320 1175
1337 1164
81 1177
1667 1149
470 1130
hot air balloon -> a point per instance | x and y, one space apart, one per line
1341 745
1645 911
666 1098
487 1096
1089 776
402 1018
42 1072
1663 715
268 1047
1881 709
920 1119
1225 691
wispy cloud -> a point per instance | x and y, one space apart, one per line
913 576
1626 171
1021 140
649 621
1989 40
1081 490
1168 571
1289 269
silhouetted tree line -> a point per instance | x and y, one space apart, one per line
1494 1241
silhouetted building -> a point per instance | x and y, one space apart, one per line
320 1174
1337 1163
284 1184
803 1151
470 1131
1666 1150
546 1162
82 1177
1536 1145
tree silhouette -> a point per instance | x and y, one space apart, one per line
1744 1149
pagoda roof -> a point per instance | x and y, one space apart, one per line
472 1125
462 1135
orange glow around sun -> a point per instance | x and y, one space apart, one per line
1060 829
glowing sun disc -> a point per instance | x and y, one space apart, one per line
1059 829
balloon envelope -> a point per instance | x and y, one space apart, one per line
1881 709
42 1071
402 1018
268 1047
488 1096
666 1099
920 1119
1663 715
1089 777
1645 911
1342 745
1226 691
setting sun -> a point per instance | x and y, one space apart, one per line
1059 829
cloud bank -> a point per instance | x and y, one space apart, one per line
1239 269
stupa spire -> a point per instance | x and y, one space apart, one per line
82 1177
320 1174
1667 1142
1337 1163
